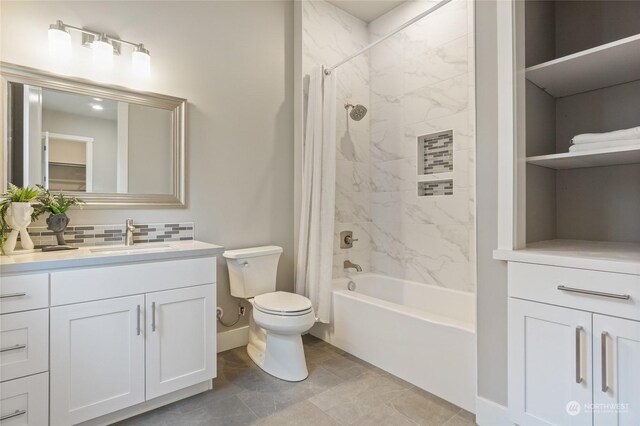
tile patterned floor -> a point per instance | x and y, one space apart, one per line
340 390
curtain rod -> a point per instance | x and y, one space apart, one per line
328 70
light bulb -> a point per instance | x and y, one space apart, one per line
141 61
59 41
102 52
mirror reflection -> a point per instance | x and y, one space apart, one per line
82 143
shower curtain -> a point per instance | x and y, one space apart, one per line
317 213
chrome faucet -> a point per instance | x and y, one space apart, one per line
130 229
350 264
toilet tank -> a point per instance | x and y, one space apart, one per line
252 271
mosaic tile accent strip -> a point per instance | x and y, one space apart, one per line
438 187
435 153
101 235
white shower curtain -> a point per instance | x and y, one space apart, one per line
317 213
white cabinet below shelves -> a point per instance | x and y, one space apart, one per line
616 353
572 367
549 363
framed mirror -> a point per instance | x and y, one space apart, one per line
108 145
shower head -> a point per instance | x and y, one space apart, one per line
357 112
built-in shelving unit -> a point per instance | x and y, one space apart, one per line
613 63
595 158
578 79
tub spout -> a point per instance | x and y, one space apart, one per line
350 264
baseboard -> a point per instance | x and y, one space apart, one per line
489 413
233 338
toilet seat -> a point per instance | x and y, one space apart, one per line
282 303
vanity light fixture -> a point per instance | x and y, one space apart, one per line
59 40
103 47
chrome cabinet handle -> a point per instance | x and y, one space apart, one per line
153 316
578 355
603 355
12 415
138 319
8 295
245 264
594 293
13 348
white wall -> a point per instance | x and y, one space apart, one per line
240 120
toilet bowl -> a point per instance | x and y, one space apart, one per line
278 318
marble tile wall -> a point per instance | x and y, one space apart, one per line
416 83
422 83
328 35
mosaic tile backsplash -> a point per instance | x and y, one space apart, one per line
99 235
439 187
435 153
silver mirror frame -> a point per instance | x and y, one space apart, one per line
11 73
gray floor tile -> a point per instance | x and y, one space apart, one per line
340 390
424 408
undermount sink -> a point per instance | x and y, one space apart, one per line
131 249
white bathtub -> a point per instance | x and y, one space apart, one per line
421 333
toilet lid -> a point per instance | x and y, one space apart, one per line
281 302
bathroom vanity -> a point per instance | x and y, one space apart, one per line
101 334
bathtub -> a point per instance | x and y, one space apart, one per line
421 333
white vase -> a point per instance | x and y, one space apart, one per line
18 217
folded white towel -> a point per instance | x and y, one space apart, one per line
602 145
626 134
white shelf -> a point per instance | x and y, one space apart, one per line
595 158
603 66
596 255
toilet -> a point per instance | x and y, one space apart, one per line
278 318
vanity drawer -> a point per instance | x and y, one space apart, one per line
25 401
23 292
24 344
579 288
83 285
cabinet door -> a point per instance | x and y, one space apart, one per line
97 358
616 366
549 364
181 339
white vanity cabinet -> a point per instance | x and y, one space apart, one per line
107 338
579 363
97 358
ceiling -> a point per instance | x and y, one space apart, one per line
367 10
72 103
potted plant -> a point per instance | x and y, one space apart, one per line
16 214
57 205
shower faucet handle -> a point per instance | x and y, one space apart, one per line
346 239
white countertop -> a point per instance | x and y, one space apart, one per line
595 255
86 256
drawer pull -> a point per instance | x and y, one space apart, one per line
12 415
594 293
603 356
8 295
13 348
